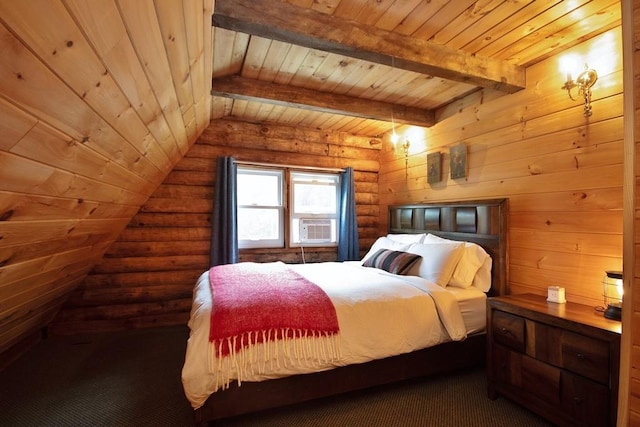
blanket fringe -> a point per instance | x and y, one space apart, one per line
264 351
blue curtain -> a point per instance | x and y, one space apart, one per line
224 237
348 246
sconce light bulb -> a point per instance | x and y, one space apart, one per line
394 137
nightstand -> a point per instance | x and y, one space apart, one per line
558 360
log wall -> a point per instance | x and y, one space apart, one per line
562 171
147 275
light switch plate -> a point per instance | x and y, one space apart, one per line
556 294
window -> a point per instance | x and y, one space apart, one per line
314 212
312 207
260 208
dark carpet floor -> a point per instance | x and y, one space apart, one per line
133 379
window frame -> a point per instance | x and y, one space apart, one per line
295 216
286 210
280 207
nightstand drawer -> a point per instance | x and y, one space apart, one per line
585 356
508 330
584 401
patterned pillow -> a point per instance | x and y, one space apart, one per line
396 262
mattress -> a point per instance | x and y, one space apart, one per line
473 306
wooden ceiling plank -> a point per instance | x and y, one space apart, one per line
331 65
306 27
533 24
353 78
324 6
26 207
394 15
21 175
15 124
58 42
172 25
291 64
255 56
239 87
276 55
308 66
349 9
103 26
589 27
225 44
448 13
456 34
202 85
143 28
416 17
547 37
373 11
48 146
336 80
503 27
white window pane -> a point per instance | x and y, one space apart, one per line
258 224
313 198
259 189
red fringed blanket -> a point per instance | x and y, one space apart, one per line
258 303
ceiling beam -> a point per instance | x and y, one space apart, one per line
237 87
306 27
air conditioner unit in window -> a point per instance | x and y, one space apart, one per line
315 230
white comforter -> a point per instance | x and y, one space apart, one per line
379 314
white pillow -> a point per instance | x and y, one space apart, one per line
482 280
385 243
407 238
473 257
438 261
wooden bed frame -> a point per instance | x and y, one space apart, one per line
481 221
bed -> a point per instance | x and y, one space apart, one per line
419 345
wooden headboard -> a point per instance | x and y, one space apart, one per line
480 221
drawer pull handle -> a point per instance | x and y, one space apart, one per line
507 332
577 400
580 356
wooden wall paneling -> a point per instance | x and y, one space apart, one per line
562 173
629 406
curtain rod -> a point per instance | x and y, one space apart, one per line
281 165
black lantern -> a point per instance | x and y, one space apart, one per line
612 292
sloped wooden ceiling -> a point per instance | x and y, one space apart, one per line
99 99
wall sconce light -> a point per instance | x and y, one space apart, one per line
612 292
405 148
583 82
